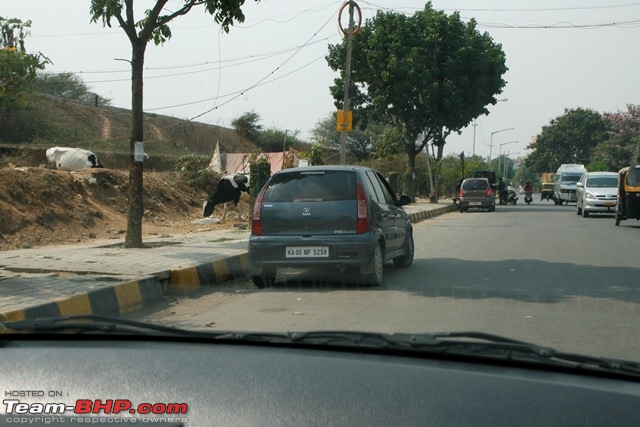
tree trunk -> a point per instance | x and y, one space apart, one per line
133 237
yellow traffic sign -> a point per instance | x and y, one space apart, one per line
344 121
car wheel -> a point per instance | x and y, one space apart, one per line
264 280
585 214
375 278
461 209
405 260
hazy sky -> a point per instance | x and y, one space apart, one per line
560 53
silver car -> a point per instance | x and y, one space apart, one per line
597 192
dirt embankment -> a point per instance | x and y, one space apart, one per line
40 206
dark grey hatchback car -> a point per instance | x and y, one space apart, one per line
328 216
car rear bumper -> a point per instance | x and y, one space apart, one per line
348 250
480 204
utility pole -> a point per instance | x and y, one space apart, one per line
475 124
347 81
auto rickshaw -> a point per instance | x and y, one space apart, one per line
628 206
547 191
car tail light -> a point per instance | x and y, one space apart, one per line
489 192
362 221
256 223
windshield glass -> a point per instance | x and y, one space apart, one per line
570 178
132 171
633 177
300 186
602 181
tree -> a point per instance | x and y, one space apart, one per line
427 75
66 85
570 138
17 67
360 143
625 138
275 139
152 27
247 126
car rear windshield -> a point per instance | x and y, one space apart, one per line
475 184
305 186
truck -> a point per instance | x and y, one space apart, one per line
564 188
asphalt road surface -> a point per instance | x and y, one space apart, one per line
538 273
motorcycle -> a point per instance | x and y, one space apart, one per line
512 197
528 197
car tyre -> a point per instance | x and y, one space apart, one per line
585 214
375 278
405 260
264 280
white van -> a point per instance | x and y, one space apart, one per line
564 189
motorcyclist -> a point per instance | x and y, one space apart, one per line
528 188
502 191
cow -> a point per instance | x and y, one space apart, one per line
229 189
72 159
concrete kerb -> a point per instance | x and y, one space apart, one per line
136 295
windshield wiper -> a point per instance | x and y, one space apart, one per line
90 323
472 344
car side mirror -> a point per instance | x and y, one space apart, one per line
404 200
579 184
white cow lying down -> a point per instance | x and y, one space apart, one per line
72 159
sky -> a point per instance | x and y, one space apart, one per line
560 54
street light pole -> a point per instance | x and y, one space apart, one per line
500 152
491 143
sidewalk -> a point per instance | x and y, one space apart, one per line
105 278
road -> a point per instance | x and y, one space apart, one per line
538 273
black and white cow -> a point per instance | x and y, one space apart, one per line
72 159
229 189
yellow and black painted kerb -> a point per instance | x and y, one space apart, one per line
129 297
422 215
190 279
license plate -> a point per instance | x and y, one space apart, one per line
307 252
608 204
475 203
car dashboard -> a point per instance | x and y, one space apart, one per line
237 384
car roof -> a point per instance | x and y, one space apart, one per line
602 173
475 179
325 168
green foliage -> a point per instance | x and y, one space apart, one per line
247 126
524 174
68 86
17 68
570 138
360 143
427 75
316 157
259 173
195 171
612 155
450 169
275 139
